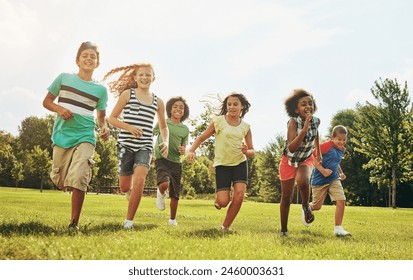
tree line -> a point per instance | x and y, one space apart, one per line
378 160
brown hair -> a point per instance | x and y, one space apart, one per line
242 99
85 46
339 129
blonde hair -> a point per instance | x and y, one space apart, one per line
126 79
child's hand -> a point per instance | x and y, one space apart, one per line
182 149
104 133
64 113
342 176
244 149
326 172
190 157
136 131
164 149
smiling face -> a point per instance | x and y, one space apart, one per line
88 60
177 111
234 106
305 105
144 77
339 140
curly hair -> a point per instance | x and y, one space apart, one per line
126 79
244 102
172 101
291 102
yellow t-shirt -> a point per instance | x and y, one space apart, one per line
228 142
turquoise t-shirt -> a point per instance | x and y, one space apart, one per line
178 135
82 98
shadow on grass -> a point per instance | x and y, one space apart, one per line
209 233
39 229
29 228
114 227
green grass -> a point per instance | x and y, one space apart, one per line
33 226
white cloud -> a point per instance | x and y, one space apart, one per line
359 95
18 25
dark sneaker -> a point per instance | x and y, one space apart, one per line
73 228
307 216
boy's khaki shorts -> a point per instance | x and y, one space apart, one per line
72 167
334 189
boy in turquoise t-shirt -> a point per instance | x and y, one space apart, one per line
74 128
169 169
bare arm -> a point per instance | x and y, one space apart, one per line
117 110
163 128
294 140
49 104
341 173
326 172
248 147
104 130
198 141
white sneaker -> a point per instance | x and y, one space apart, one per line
160 200
226 229
127 224
128 193
339 231
172 222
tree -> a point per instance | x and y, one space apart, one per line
7 157
267 171
17 172
357 187
107 172
199 175
38 166
35 131
207 147
384 135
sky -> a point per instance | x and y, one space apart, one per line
264 49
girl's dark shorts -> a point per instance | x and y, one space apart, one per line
226 176
169 171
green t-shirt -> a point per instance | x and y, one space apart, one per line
178 135
82 98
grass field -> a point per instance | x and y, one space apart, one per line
33 226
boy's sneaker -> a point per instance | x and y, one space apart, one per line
128 193
307 216
127 224
283 233
160 200
172 222
339 231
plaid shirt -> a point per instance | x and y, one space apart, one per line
306 148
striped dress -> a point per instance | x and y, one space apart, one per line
140 115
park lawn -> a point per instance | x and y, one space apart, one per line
33 226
